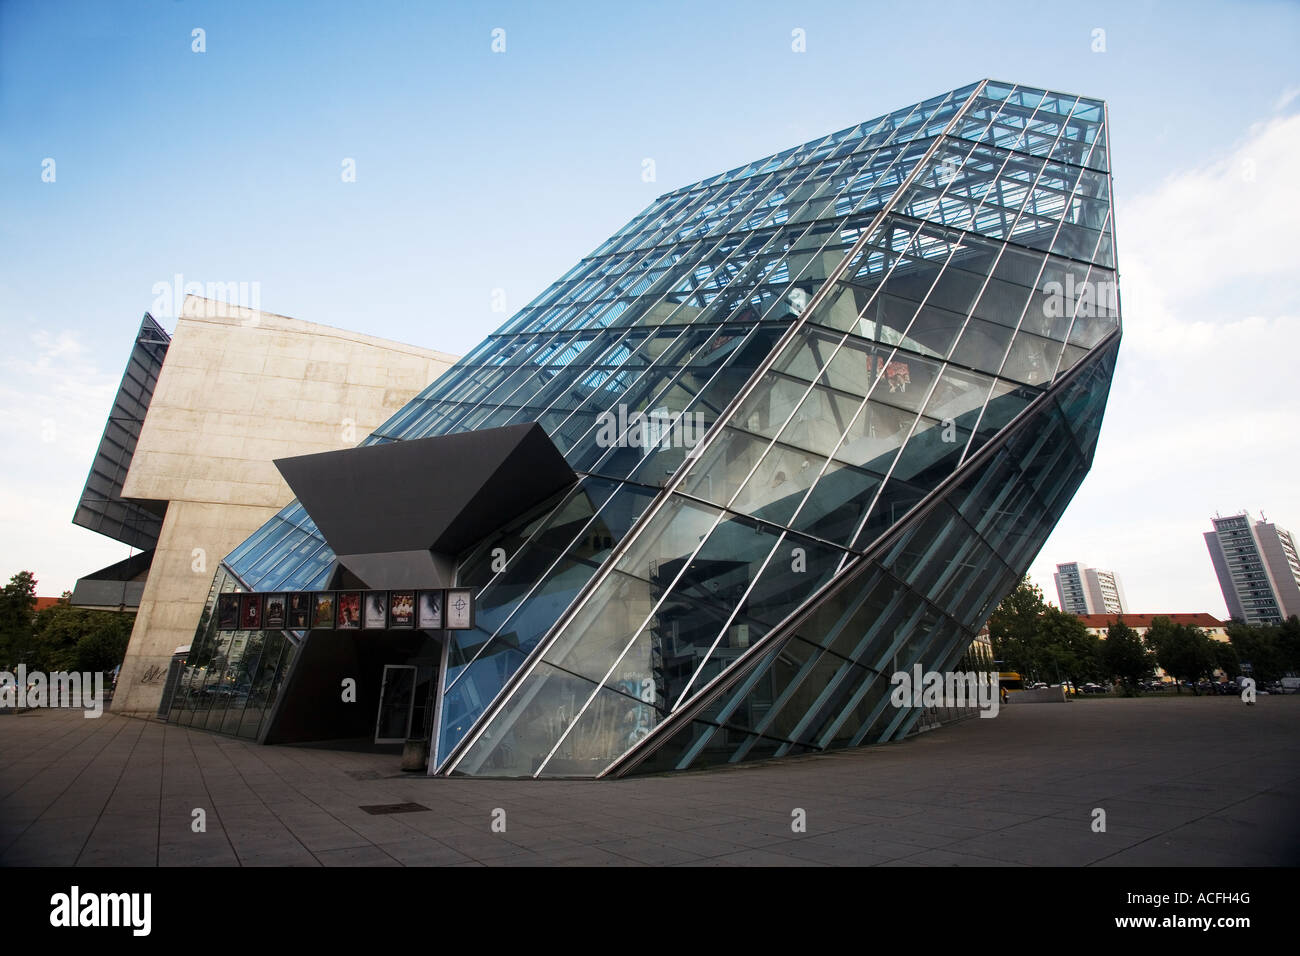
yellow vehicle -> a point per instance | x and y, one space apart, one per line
1008 683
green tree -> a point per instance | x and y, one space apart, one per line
1013 629
1225 658
1125 657
17 607
67 638
1262 648
1288 645
1068 651
1183 651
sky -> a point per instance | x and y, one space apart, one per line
481 176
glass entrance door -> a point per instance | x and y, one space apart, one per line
396 703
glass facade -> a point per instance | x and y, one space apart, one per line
230 679
825 409
102 507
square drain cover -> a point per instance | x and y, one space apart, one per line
381 808
363 774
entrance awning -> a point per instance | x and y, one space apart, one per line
396 513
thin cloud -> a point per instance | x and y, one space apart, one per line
1203 407
54 399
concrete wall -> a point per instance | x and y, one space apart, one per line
1044 695
237 390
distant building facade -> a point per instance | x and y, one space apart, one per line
1099 624
1084 590
1257 567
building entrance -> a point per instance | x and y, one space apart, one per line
396 704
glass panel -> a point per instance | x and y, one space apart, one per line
778 485
904 380
281 674
895 500
527 616
718 473
497 600
1005 402
706 392
1054 302
261 691
611 725
875 436
807 354
1069 357
769 405
1032 359
518 739
697 616
1007 292
593 641
982 346
243 667
838 502
960 284
477 568
933 331
850 370
476 687
821 420
672 535
931 454
676 752
797 569
959 397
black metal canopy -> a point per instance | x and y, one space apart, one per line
388 510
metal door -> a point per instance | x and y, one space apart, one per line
396 703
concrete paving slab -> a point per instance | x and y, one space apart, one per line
1184 782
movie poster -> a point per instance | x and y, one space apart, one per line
430 610
300 610
460 610
273 616
227 612
401 608
250 612
349 609
376 610
324 614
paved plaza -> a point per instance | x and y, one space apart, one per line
1192 781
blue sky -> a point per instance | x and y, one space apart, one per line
478 171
